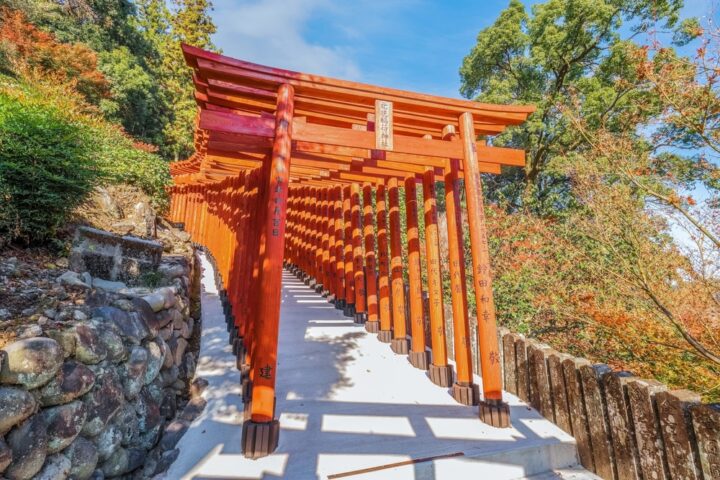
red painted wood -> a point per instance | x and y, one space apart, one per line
370 261
348 247
339 245
358 260
396 268
417 321
482 278
264 365
383 260
434 274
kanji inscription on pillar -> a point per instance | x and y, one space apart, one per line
277 211
383 125
266 371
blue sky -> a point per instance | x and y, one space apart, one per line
410 44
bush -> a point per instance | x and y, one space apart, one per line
122 162
47 168
53 150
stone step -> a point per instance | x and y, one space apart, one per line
566 474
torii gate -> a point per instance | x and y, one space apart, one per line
304 171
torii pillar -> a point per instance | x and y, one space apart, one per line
493 410
261 431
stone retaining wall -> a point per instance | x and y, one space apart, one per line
94 389
114 257
626 428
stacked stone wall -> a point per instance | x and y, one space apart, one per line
95 388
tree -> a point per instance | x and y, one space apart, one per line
153 21
584 241
137 43
653 172
564 46
135 101
190 23
109 29
103 25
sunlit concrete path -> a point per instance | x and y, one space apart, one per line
350 408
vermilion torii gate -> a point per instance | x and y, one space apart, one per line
304 172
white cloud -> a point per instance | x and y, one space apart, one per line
270 32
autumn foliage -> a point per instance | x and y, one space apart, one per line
38 55
560 284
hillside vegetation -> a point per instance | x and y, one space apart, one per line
607 244
91 92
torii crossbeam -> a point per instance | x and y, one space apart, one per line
306 172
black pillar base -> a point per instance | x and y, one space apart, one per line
495 413
260 439
360 318
466 394
419 360
349 310
228 314
319 288
400 346
246 386
230 318
233 334
222 294
340 304
385 336
442 375
240 362
330 298
372 327
238 348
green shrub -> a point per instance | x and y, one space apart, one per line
53 150
121 162
47 167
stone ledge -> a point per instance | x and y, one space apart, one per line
114 257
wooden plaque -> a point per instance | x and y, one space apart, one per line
383 125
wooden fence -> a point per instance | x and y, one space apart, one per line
626 428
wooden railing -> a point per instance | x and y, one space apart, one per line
626 428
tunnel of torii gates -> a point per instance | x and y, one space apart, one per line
304 172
